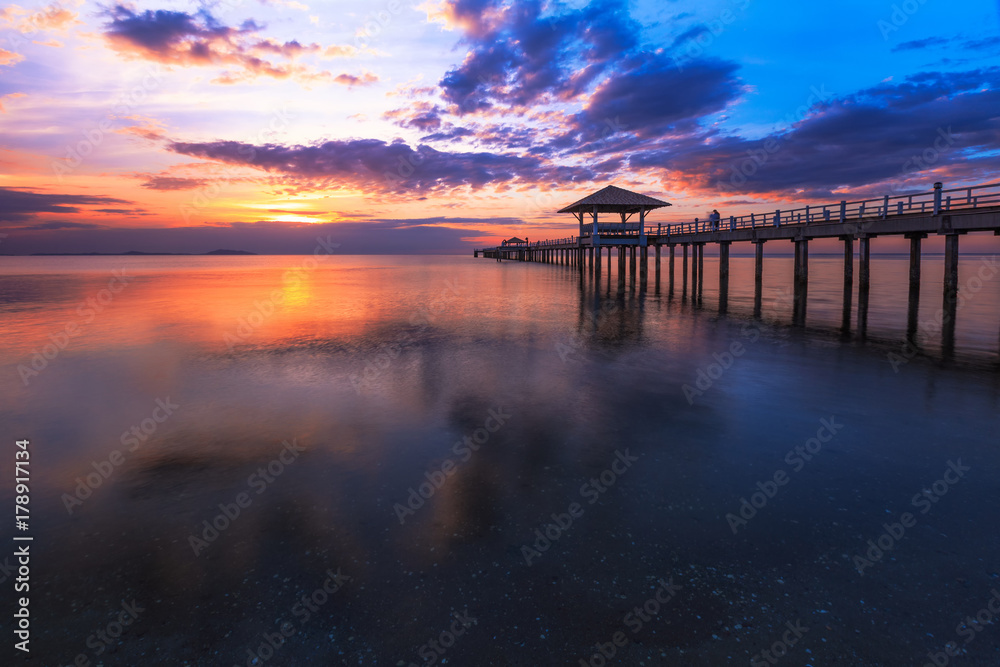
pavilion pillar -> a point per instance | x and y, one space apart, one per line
723 276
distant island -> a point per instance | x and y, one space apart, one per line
136 252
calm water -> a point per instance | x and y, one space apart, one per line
314 406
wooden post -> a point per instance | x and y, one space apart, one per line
701 268
864 283
643 266
694 268
758 277
845 324
913 302
723 276
597 260
657 246
950 291
801 281
670 270
631 262
590 259
684 271
621 265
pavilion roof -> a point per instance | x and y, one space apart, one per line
614 200
515 240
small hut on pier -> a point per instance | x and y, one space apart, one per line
614 200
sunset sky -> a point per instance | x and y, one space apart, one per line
432 126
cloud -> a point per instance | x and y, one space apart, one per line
893 134
198 40
9 58
651 97
171 183
919 44
52 17
364 79
955 43
376 166
62 224
18 205
521 56
10 96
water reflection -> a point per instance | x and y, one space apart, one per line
386 384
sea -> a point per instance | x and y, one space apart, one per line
415 460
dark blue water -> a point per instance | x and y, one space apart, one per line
414 443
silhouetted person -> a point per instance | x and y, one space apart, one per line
715 218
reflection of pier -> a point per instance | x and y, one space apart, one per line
950 213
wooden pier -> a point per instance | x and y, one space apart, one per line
948 213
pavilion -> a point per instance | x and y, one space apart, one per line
614 200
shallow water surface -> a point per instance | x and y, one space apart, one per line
394 459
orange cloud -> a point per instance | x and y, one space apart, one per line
9 57
52 17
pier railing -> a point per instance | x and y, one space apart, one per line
934 201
